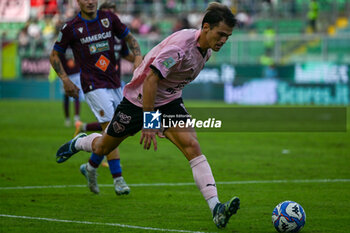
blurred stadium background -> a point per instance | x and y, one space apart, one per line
273 57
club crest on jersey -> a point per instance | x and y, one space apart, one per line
105 22
169 62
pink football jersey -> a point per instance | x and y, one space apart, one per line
179 61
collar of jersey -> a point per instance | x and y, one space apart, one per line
88 21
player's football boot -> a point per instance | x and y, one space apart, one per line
78 127
68 149
223 212
120 186
91 177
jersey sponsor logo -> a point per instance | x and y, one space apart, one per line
105 22
102 63
99 47
93 38
169 62
81 29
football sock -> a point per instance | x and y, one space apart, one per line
85 143
95 160
212 202
94 126
203 177
115 168
89 167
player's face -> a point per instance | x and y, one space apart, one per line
218 35
88 7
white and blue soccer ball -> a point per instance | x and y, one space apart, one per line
288 216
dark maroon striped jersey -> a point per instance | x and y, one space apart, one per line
68 62
93 43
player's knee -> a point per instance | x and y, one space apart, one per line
100 150
193 147
100 147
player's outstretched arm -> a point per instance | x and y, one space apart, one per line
134 48
69 87
150 86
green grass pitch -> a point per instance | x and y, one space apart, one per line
59 201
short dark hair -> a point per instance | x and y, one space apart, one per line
107 5
217 12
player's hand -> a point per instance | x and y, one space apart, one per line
147 137
70 88
160 134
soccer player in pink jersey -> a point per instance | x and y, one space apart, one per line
157 86
91 35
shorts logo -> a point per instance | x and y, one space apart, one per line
99 47
151 120
118 128
105 22
169 62
102 63
123 118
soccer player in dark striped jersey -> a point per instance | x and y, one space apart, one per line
121 51
91 36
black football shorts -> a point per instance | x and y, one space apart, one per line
128 118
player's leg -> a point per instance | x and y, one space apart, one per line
99 146
113 159
127 120
85 127
186 141
102 104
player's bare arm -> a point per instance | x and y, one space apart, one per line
134 48
150 87
130 57
69 87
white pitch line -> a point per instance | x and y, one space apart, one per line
188 184
97 223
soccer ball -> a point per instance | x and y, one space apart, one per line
288 216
